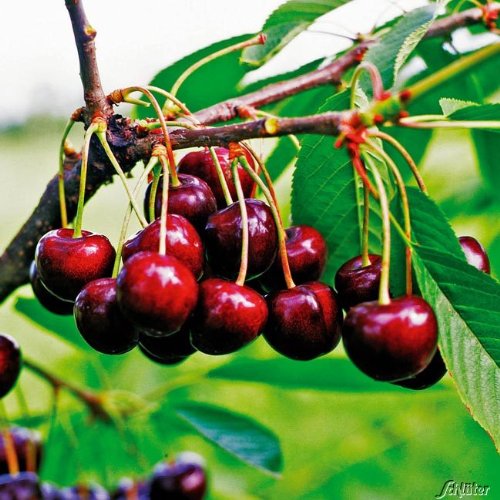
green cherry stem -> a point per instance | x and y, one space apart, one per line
164 205
152 195
221 177
242 274
451 124
172 98
60 176
366 228
9 446
77 232
169 123
376 80
277 220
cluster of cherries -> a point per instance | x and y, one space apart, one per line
183 478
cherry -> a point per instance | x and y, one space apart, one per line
306 250
356 283
392 341
10 363
50 492
66 264
228 316
28 447
183 242
22 486
223 234
193 199
304 321
167 350
475 254
128 489
48 300
100 321
156 292
80 492
430 375
200 164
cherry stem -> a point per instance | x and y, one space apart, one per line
457 124
164 206
126 219
242 274
404 153
152 195
365 259
101 134
375 78
156 124
172 98
404 204
277 220
9 445
62 194
256 40
77 231
221 177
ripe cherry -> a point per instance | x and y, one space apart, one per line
156 292
100 320
48 300
430 375
356 283
193 199
200 164
228 317
304 321
223 239
66 264
183 242
167 350
475 254
129 489
306 250
22 486
392 341
28 447
10 363
83 491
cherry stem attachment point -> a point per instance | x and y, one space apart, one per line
221 177
60 176
242 274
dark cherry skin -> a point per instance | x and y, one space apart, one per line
156 292
22 486
306 250
391 342
100 321
82 491
356 284
475 254
223 234
304 322
183 242
128 489
28 446
193 199
429 376
66 264
200 164
10 363
167 350
48 300
179 480
228 317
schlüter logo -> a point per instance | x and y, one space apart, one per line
453 489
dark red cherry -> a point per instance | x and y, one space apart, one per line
66 264
156 292
228 317
200 164
10 363
356 283
100 320
304 321
129 489
22 486
28 447
84 492
193 199
168 350
430 375
475 254
223 235
306 250
392 341
48 300
183 242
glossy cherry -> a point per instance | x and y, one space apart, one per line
429 376
22 486
475 254
183 242
304 321
223 235
193 199
306 249
168 350
10 363
392 341
28 447
66 264
356 283
156 292
100 320
228 317
48 300
200 164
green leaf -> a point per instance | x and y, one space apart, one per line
449 106
239 435
480 112
284 24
